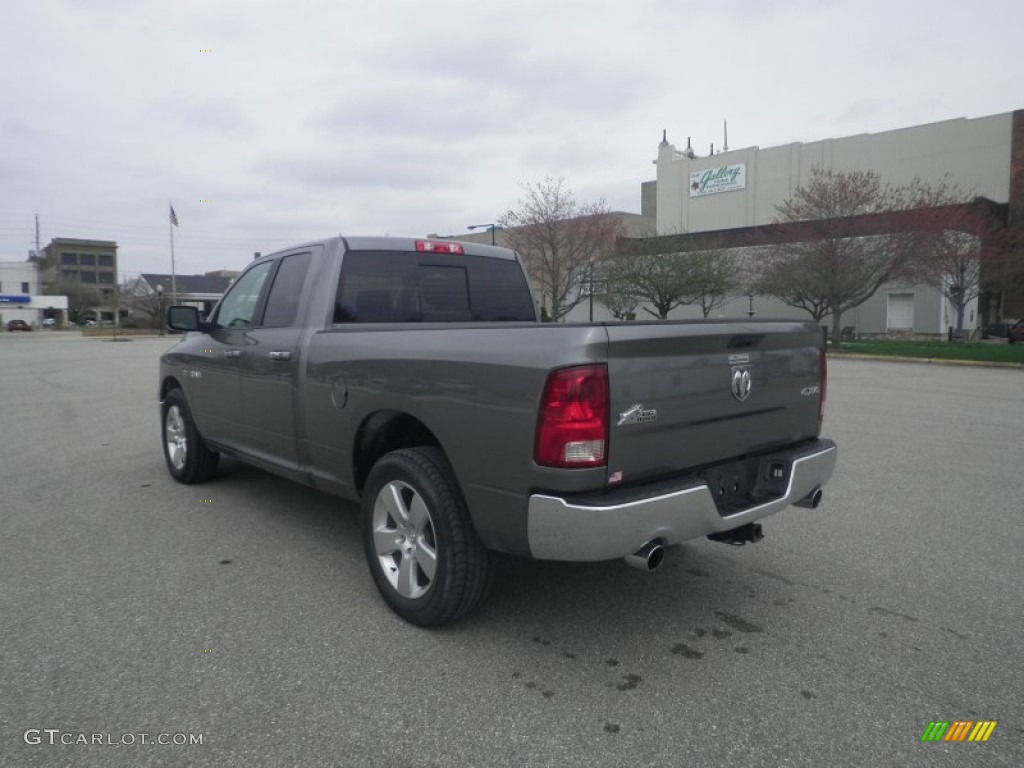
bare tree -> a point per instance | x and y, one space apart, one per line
716 278
824 258
82 303
791 278
143 302
962 235
560 241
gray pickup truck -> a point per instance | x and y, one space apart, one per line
414 377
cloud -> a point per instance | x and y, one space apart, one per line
401 117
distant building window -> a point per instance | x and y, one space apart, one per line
106 260
106 292
69 258
106 277
24 287
88 277
87 259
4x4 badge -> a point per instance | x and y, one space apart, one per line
741 383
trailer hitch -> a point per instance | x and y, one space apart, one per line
745 534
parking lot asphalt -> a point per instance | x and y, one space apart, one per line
241 612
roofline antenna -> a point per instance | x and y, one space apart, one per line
725 130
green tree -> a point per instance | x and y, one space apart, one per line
716 278
660 282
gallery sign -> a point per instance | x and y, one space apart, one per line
14 299
727 178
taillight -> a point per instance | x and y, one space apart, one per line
433 246
572 427
824 385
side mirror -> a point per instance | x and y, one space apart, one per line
182 318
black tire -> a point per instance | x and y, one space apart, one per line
188 459
399 535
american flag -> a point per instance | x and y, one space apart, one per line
173 216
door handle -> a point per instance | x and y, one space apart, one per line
280 355
232 353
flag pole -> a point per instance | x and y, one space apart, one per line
171 221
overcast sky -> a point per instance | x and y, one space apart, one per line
298 120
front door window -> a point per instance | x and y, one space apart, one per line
238 307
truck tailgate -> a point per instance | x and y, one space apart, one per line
689 394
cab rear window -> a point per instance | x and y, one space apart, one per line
408 287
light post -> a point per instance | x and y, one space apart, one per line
160 299
489 227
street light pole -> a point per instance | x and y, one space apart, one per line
590 286
160 299
489 227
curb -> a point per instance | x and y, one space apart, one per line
932 360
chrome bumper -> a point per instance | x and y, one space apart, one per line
601 529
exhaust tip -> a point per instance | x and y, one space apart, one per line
811 500
648 557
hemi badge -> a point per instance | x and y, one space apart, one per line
637 415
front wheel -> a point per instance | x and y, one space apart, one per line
188 459
424 555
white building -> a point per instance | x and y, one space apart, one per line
21 295
740 188
975 153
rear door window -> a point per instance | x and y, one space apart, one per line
286 291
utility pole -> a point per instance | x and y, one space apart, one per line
37 236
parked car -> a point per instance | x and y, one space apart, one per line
413 375
1016 333
49 322
18 325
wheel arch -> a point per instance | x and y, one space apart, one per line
385 431
169 383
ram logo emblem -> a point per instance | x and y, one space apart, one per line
741 382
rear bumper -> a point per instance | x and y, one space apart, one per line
616 524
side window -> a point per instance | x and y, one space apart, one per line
285 292
238 307
368 288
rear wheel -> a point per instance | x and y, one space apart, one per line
424 555
188 459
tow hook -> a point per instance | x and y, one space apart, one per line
745 534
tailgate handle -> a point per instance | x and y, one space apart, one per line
280 355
